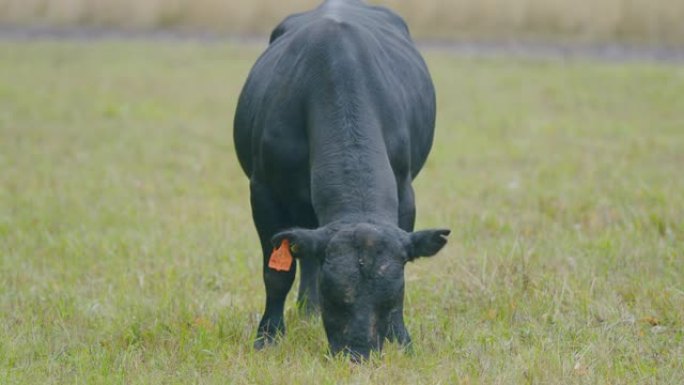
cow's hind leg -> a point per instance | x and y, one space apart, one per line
407 206
269 218
407 218
308 298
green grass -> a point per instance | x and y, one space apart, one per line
128 254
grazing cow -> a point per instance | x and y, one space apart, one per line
335 120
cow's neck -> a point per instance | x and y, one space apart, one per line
351 176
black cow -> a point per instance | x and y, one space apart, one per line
335 120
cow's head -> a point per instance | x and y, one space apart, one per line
362 277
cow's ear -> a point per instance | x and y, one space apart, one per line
426 243
304 243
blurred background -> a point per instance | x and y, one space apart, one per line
645 22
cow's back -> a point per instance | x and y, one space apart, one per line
365 50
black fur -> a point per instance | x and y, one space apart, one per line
334 122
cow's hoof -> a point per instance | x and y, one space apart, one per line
270 330
269 335
407 348
264 340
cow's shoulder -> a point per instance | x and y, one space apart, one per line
375 19
290 22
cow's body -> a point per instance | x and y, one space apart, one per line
334 122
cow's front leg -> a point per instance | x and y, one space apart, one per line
269 218
272 324
397 329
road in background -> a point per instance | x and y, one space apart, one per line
613 52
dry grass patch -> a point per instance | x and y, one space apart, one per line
645 21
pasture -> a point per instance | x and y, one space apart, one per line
128 255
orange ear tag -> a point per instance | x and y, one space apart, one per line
281 258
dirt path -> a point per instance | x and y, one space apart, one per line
610 52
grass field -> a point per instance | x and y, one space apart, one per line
128 254
638 21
